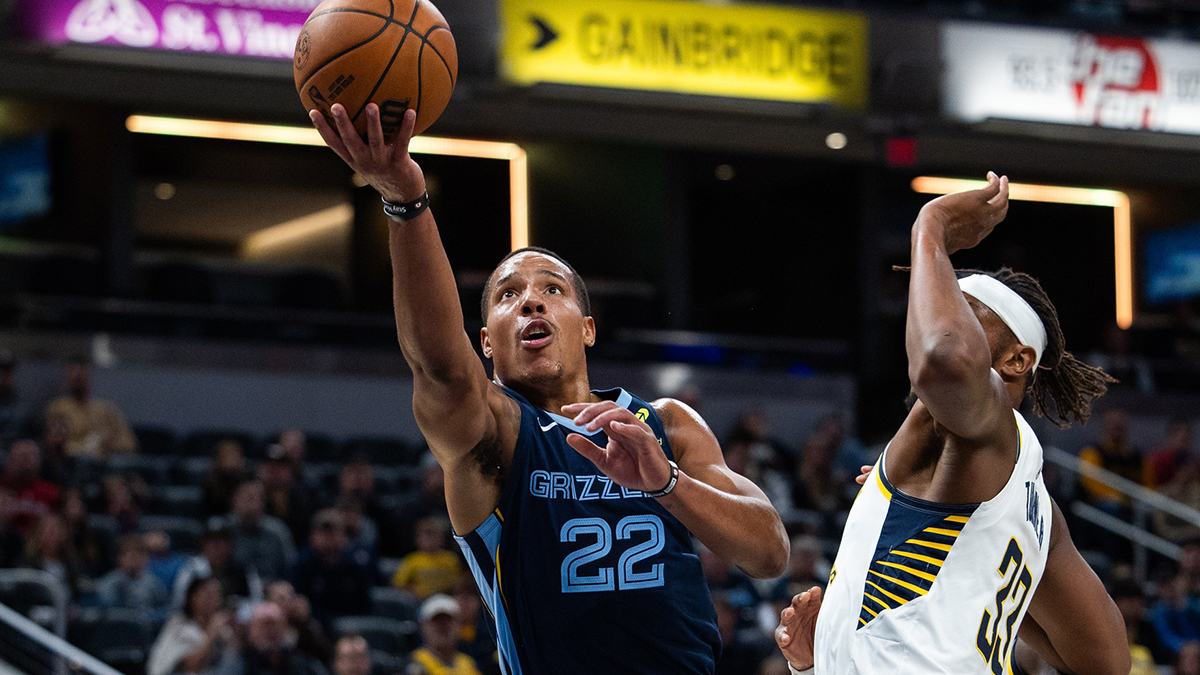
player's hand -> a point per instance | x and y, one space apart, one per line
386 166
632 458
797 628
966 218
865 473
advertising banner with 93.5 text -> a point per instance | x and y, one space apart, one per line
1071 77
740 51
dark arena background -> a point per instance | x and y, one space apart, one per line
198 363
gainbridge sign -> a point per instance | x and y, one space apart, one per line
1070 77
741 51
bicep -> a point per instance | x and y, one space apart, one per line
1074 610
968 406
455 414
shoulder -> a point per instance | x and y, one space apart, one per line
678 416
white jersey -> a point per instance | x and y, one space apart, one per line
920 587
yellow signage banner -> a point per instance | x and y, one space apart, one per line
741 51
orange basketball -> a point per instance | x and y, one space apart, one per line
398 53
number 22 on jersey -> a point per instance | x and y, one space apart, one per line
574 580
993 646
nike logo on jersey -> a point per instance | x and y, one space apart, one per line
548 427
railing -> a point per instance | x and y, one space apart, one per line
1143 501
30 648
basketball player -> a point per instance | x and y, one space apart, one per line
574 508
953 547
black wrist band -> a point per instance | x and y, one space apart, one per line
407 211
670 483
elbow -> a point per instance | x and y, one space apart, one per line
772 560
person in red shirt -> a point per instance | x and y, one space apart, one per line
1172 454
33 496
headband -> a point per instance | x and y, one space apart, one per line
1011 308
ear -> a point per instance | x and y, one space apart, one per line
589 331
1017 362
485 343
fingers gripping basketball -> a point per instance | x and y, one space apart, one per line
399 54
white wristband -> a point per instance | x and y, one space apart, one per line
806 671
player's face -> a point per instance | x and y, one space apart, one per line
536 331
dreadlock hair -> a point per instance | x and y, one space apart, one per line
1071 384
585 303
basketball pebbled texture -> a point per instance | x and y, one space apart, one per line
398 53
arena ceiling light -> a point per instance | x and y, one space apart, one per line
518 162
1057 194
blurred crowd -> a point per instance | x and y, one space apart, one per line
285 566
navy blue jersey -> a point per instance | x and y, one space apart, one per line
583 576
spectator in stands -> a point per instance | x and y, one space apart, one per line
352 655
295 448
740 653
33 497
216 560
267 651
95 550
57 465
1188 662
1175 451
440 629
97 428
335 578
13 411
121 504
306 633
164 563
130 585
228 472
361 530
815 487
1189 567
726 580
196 639
1175 618
49 550
1131 602
1184 488
1115 453
430 500
807 567
762 461
12 544
259 539
431 569
285 499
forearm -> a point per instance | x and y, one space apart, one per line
940 325
429 319
744 530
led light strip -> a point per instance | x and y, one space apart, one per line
518 162
1056 194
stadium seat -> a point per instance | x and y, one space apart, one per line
394 603
383 663
387 635
377 450
153 470
184 532
32 593
121 638
191 470
201 443
179 500
158 441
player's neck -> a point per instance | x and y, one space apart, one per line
552 396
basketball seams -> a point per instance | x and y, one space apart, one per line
383 76
420 81
316 69
425 38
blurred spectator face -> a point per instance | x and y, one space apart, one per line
357 479
24 460
268 628
1189 558
805 551
79 380
74 510
467 595
442 630
131 556
275 475
352 656
1116 425
206 600
737 456
295 607
158 543
57 432
217 549
1188 661
249 502
433 478
117 496
1179 435
328 534
293 443
50 537
229 458
431 535
1172 590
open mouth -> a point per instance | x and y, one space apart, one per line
537 333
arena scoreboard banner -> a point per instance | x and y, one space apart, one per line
1051 75
738 50
261 28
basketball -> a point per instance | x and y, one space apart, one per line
397 53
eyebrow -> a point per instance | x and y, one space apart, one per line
511 275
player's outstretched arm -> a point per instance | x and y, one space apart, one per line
727 513
1072 622
452 399
949 362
